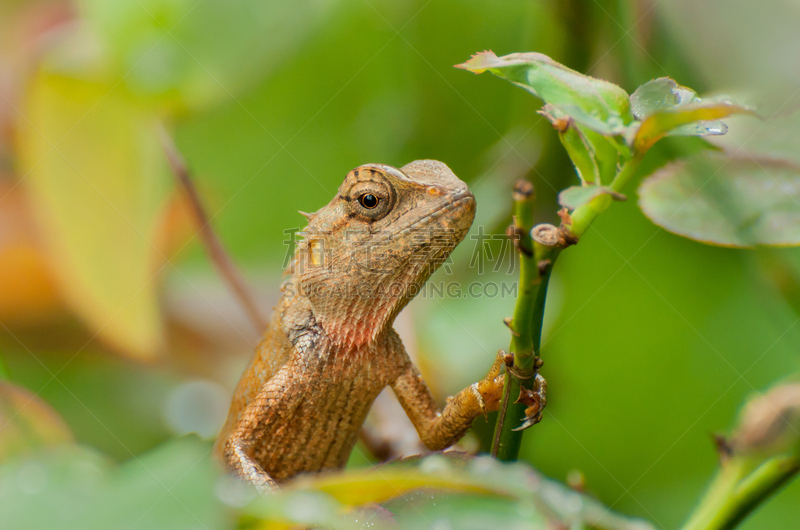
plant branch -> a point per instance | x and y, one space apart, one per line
216 252
733 496
526 325
583 216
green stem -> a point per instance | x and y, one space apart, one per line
732 496
526 327
509 441
583 216
720 489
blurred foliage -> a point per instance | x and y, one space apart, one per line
178 486
28 423
449 488
74 487
652 340
758 460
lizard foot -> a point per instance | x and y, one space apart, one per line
489 391
535 399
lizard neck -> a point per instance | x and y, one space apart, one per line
348 325
351 317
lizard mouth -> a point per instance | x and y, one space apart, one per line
459 228
459 201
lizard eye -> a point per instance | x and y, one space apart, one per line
368 201
368 194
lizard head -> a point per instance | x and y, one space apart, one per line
370 250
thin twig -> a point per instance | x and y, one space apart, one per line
733 496
216 252
501 416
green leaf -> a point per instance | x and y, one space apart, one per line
666 108
27 423
594 155
582 154
660 94
596 104
735 202
576 196
665 94
578 147
97 181
609 153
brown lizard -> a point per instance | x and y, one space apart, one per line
330 347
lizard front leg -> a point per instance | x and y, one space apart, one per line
237 456
278 396
441 429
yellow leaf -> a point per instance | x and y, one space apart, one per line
96 178
659 124
380 484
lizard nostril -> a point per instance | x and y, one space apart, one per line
433 190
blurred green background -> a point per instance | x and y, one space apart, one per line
113 316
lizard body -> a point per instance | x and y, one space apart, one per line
330 347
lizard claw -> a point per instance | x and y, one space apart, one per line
502 359
475 389
536 400
489 390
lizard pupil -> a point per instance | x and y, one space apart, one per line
368 201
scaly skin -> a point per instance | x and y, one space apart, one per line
330 347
